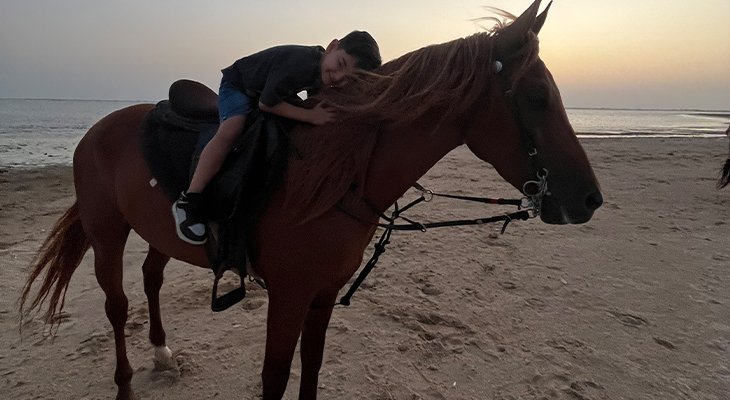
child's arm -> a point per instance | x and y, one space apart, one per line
319 115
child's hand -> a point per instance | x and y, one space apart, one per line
321 114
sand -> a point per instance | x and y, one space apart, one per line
633 305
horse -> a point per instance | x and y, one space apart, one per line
489 91
725 171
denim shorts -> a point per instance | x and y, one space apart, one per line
232 101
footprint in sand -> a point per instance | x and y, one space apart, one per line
579 390
94 345
629 319
665 343
569 345
507 285
536 302
252 304
430 290
138 318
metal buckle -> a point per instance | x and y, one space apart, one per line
533 199
426 194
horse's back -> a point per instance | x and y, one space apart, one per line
111 140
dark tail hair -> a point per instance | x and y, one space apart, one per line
59 256
724 175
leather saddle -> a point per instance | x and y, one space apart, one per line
193 100
174 134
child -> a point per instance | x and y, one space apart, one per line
270 76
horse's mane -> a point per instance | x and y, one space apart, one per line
445 79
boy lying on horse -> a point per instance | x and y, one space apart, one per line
264 80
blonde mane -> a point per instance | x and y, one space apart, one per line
445 79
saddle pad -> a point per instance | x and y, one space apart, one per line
168 144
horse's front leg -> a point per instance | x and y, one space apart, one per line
286 314
313 339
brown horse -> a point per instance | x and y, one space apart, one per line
725 171
489 91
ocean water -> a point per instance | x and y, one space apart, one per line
609 123
43 132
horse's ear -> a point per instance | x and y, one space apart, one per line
540 20
514 35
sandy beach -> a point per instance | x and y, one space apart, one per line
633 305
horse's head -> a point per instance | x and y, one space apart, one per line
530 139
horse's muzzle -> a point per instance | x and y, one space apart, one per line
581 211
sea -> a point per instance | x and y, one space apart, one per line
35 132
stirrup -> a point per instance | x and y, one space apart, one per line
229 299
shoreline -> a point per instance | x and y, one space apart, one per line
710 111
581 136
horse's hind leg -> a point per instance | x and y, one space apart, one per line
153 270
108 244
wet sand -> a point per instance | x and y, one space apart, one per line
633 305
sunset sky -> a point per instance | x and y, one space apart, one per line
602 53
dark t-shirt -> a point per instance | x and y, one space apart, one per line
277 73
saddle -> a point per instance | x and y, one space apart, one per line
174 134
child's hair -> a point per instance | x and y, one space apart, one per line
361 45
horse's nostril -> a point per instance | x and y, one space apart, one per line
594 200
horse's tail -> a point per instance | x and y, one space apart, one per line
59 256
724 175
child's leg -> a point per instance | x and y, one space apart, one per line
187 211
233 105
215 152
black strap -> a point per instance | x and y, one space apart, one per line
485 200
418 226
379 249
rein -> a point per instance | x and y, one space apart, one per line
528 206
524 205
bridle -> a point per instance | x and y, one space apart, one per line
528 206
534 190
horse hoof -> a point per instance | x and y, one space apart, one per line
128 396
163 359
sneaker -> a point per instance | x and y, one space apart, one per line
188 222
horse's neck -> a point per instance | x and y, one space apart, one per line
404 154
